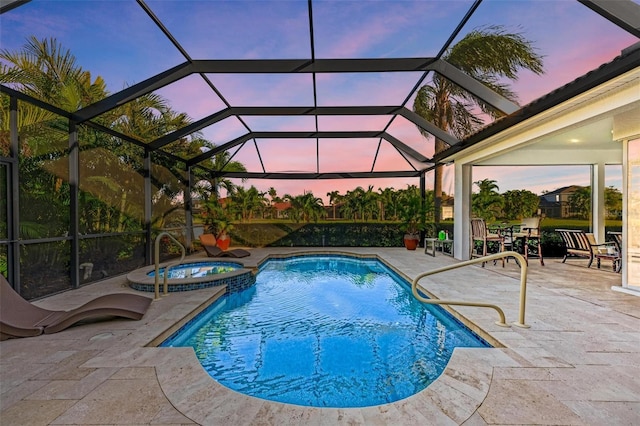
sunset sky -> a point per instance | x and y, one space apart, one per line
117 41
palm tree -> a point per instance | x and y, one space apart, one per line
385 198
312 207
274 195
334 198
355 203
305 207
370 206
45 70
248 201
223 162
270 209
488 54
295 210
487 203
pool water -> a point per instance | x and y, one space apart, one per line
197 270
325 331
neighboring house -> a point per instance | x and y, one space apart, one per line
447 208
333 211
556 203
280 209
549 208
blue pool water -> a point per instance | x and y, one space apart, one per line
325 331
198 269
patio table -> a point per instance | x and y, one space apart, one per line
431 245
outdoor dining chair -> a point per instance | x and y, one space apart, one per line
530 233
480 233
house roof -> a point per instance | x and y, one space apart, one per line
281 205
564 190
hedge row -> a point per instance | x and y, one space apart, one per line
353 235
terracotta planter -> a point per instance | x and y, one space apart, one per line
223 242
411 241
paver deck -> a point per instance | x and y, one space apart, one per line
577 364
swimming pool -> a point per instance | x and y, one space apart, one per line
325 331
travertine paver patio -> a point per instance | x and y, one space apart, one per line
577 364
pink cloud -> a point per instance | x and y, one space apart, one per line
265 89
354 37
224 131
365 88
286 155
193 96
281 123
354 122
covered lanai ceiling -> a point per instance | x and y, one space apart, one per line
310 89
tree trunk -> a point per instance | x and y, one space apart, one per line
437 193
440 146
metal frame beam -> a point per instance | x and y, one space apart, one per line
295 66
74 205
148 208
13 261
310 135
474 87
326 175
193 127
7 5
625 13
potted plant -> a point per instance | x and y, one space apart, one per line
223 227
218 221
412 215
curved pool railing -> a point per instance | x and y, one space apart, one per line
165 289
502 323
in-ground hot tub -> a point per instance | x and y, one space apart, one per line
194 275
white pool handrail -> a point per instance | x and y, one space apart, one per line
165 290
523 286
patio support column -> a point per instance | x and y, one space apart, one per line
74 227
148 244
597 202
462 210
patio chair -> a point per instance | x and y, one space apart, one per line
530 232
480 233
20 318
209 245
578 243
